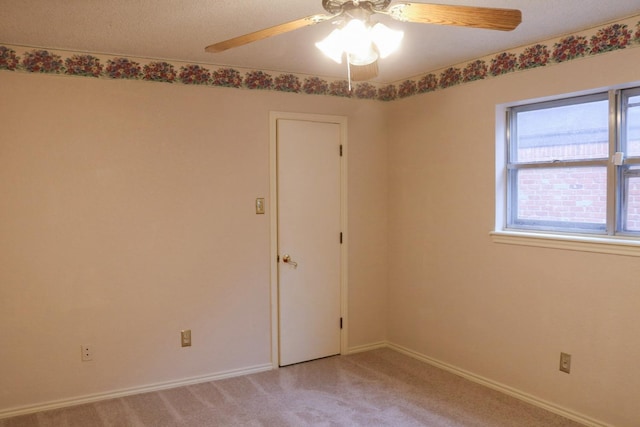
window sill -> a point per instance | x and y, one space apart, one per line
605 245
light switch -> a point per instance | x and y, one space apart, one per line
260 206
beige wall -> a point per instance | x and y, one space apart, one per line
127 214
504 312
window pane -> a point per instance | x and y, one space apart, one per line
633 127
631 212
567 198
567 132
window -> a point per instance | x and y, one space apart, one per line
573 166
630 172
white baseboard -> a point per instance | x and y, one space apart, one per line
535 401
367 347
23 410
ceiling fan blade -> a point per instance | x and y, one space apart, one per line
464 16
267 32
360 73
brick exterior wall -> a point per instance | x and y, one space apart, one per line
571 194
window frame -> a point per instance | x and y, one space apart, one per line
626 169
614 239
512 168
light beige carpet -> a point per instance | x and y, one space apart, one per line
375 388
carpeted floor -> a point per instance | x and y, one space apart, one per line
375 388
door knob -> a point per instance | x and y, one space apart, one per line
287 259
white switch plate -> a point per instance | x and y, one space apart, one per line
260 206
185 338
565 362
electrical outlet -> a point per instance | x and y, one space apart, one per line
565 362
86 352
185 338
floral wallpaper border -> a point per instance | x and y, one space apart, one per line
607 38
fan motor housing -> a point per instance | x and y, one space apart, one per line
338 6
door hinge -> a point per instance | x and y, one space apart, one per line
341 237
340 150
341 323
278 258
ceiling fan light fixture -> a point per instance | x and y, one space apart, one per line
386 40
371 57
356 38
362 43
332 45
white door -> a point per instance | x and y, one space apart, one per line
309 239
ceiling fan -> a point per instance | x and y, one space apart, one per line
363 43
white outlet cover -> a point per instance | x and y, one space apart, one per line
86 352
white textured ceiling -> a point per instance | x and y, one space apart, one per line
180 29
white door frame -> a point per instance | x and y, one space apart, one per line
273 211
